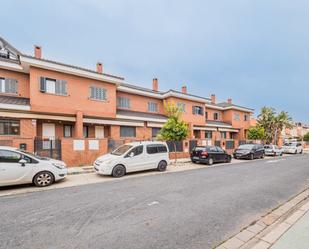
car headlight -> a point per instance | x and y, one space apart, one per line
108 161
59 166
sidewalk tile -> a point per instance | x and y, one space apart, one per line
261 245
233 243
276 233
295 216
269 219
305 207
245 235
256 228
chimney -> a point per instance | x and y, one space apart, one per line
229 101
99 67
37 52
184 89
155 85
213 98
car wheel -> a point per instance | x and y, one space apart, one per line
229 159
263 155
162 166
119 171
301 152
210 161
295 152
251 156
43 179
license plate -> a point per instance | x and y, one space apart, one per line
195 157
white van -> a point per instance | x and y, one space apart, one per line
131 157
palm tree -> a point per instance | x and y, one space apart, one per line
273 123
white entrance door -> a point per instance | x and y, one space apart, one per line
48 130
99 131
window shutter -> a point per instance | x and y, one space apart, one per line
193 109
14 86
63 88
7 84
58 86
91 92
42 84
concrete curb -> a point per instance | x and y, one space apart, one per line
263 233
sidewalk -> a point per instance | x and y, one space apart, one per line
297 237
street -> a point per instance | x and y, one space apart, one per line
190 209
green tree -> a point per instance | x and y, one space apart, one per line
273 123
306 137
174 129
256 133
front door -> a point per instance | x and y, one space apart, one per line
99 131
11 171
48 130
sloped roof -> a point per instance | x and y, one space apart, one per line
140 114
219 123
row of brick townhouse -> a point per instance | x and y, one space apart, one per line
76 114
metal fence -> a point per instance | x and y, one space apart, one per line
192 144
179 146
113 144
48 148
230 144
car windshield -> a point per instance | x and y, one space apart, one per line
246 147
121 150
199 148
268 147
34 155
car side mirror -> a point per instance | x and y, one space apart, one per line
22 162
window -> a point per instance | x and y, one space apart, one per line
236 116
208 134
246 117
181 106
53 86
219 150
97 93
206 115
85 131
67 130
127 131
216 116
8 85
152 107
223 134
197 110
136 151
123 102
7 156
156 148
232 134
155 131
9 127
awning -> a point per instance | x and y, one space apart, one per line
113 122
203 128
229 130
36 116
155 125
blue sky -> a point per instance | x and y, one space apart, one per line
254 51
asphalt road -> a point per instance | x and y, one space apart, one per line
190 209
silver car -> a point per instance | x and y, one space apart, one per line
273 150
20 167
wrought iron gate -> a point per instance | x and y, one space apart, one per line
48 148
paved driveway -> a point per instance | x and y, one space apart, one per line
189 209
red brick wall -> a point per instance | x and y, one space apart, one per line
80 158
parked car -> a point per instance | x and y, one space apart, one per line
209 155
249 151
273 150
131 157
293 147
20 167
